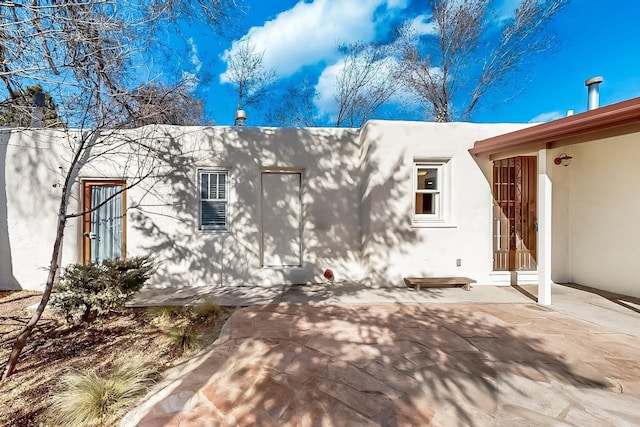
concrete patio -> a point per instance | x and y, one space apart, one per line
440 357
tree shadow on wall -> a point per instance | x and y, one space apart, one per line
334 197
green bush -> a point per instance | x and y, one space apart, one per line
95 398
95 288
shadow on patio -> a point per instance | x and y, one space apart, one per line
393 364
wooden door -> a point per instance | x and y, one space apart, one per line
514 213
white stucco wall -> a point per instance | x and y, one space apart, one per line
30 184
356 203
596 215
392 247
328 162
162 214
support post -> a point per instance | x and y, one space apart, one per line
544 229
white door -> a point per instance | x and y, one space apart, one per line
281 219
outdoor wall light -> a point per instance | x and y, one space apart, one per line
563 159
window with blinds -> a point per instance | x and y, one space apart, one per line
213 199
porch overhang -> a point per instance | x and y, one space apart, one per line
597 124
614 119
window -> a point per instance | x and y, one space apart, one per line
214 199
430 199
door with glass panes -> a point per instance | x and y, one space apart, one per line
104 224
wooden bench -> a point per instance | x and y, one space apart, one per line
439 282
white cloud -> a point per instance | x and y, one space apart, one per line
308 33
190 78
194 59
547 117
506 9
326 89
423 25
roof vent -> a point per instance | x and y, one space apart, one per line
593 92
241 116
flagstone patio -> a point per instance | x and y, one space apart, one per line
400 364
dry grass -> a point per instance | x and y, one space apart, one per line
100 398
55 349
183 338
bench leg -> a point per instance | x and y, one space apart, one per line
467 287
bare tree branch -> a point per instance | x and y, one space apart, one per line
367 80
84 54
296 107
247 75
471 52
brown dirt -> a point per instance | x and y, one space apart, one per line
56 347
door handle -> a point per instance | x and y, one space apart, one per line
91 235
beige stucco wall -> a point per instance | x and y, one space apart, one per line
596 218
356 199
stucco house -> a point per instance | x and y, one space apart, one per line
243 206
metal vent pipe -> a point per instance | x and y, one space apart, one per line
593 92
241 116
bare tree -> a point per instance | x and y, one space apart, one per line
85 54
296 107
467 55
246 73
367 80
159 104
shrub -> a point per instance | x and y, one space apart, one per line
95 288
91 398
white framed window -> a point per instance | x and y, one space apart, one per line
213 186
430 192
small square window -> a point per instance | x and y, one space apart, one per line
213 189
429 192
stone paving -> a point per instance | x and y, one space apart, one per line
403 365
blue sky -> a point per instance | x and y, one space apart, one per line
594 38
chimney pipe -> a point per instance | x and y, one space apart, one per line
241 116
593 93
37 110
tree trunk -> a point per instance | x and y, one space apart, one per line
22 339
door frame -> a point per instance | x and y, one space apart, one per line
86 216
289 171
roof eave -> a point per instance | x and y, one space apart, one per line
540 136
